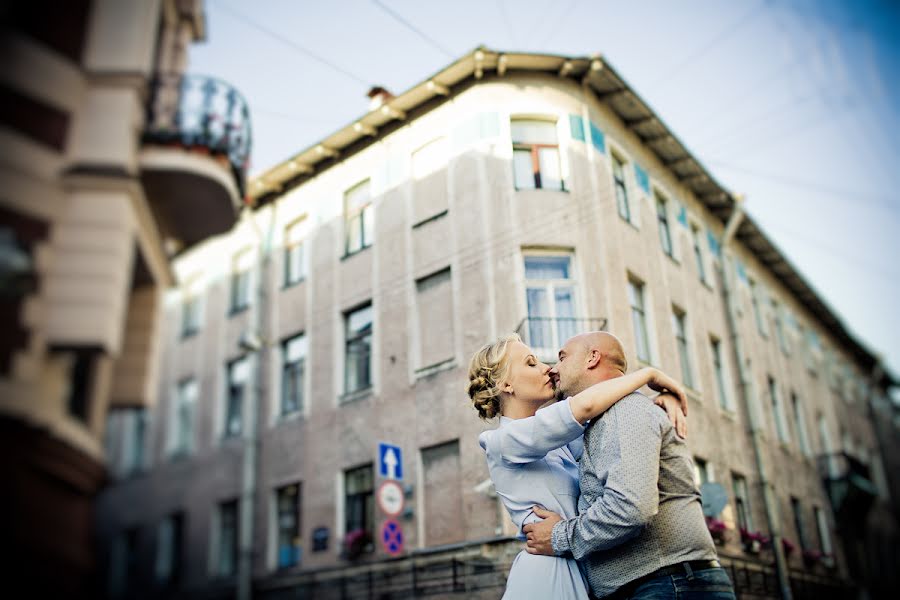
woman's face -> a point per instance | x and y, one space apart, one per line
529 379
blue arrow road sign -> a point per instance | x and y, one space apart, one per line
390 461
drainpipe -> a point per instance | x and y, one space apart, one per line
746 388
254 342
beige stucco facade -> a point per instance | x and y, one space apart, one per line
460 210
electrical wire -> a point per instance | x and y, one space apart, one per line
428 39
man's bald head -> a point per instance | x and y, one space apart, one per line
589 358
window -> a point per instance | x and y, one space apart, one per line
536 155
359 218
699 259
359 502
293 352
678 324
358 350
226 551
779 328
238 379
778 411
169 549
639 319
757 310
123 563
702 471
797 511
190 309
434 305
800 424
662 216
550 299
618 168
135 432
81 382
287 503
715 347
741 502
824 535
185 401
294 254
241 265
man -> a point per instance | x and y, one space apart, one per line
640 532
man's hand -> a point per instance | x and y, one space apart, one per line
672 404
539 533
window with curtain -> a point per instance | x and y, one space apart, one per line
238 376
358 349
536 163
639 319
293 368
359 218
550 298
294 258
681 341
662 217
621 188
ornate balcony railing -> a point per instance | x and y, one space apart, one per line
547 334
201 113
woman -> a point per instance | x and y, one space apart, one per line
532 456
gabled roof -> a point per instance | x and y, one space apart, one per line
611 89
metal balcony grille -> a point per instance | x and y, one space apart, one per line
198 112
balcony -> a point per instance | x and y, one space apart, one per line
546 335
195 155
849 487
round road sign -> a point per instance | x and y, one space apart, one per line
392 537
390 498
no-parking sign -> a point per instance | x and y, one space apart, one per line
392 537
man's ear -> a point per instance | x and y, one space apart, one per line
595 357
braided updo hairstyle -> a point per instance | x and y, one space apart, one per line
488 367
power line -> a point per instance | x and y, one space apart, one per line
744 20
429 40
290 43
509 28
551 25
873 199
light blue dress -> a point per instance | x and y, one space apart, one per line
534 461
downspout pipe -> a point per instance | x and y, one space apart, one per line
259 347
747 396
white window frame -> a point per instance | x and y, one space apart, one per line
241 280
344 350
824 531
617 157
781 426
700 256
722 375
685 359
296 261
302 342
550 286
664 222
800 424
741 490
534 148
181 404
231 368
362 216
274 528
646 312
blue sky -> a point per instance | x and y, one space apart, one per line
794 103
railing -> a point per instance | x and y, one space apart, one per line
849 487
547 334
204 113
755 579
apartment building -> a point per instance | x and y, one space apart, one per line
508 192
108 152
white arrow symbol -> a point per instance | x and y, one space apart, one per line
390 461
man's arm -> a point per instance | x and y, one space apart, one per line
630 440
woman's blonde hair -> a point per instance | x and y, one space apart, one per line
487 369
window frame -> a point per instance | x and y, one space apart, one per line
296 546
183 444
741 496
292 366
359 336
620 183
293 247
364 215
683 345
662 220
231 367
240 282
550 287
699 256
534 148
638 287
366 498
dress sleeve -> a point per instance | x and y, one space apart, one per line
529 439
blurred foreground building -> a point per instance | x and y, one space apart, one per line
508 192
111 159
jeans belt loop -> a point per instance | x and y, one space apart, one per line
688 571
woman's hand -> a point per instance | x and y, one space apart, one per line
672 406
660 382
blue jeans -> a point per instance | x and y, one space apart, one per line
708 584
